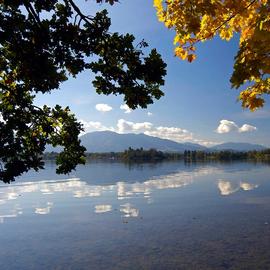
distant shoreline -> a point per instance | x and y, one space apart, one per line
153 155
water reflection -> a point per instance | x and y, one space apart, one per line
103 208
227 188
129 211
14 198
12 213
45 210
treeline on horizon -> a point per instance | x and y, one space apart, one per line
152 155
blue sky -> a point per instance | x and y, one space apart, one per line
197 96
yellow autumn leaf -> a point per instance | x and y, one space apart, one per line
191 58
198 21
181 53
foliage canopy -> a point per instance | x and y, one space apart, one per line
201 20
42 42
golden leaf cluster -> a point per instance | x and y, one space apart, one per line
199 20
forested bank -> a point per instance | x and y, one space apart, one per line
141 155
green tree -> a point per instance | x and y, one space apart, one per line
42 43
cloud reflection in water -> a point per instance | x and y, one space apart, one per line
129 211
103 208
227 188
15 196
45 210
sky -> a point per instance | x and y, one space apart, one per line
199 105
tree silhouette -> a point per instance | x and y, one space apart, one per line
42 43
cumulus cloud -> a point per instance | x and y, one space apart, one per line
101 107
149 113
127 126
205 143
176 134
125 108
247 128
170 133
226 126
94 126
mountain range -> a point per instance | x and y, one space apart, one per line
241 147
108 141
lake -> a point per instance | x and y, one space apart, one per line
168 215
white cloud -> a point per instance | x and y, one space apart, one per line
205 143
125 108
149 113
94 126
247 128
127 126
226 126
101 107
170 133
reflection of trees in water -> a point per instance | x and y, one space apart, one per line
142 165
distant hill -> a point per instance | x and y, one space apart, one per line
243 147
108 141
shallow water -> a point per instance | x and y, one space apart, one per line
149 216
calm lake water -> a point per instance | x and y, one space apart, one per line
149 216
